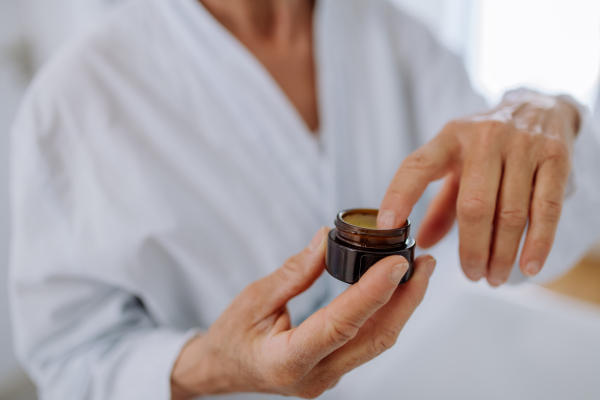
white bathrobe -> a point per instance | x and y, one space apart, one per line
158 169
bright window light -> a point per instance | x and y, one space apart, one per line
552 45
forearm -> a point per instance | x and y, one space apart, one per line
202 369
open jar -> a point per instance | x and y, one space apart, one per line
356 244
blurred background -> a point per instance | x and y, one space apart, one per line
551 45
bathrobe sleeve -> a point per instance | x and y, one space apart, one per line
78 334
440 90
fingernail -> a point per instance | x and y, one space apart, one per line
532 268
386 220
430 267
398 272
474 270
495 282
316 240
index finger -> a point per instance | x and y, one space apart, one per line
428 163
334 325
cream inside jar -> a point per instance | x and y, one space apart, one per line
362 220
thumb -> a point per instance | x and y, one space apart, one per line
296 275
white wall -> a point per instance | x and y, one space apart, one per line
553 45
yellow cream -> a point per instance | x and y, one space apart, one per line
362 220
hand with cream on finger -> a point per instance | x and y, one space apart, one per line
503 169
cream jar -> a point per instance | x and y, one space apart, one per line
356 244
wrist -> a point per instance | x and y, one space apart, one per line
202 369
184 376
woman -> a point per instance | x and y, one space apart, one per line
186 149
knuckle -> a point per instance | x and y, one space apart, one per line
290 270
285 273
548 210
252 292
499 126
341 331
473 208
385 340
513 218
522 140
491 130
418 161
556 151
541 243
293 264
453 127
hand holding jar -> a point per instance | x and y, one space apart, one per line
252 347
502 169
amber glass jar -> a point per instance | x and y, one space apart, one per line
356 244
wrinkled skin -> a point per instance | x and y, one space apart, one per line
252 347
503 169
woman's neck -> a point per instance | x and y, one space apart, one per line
272 20
279 34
